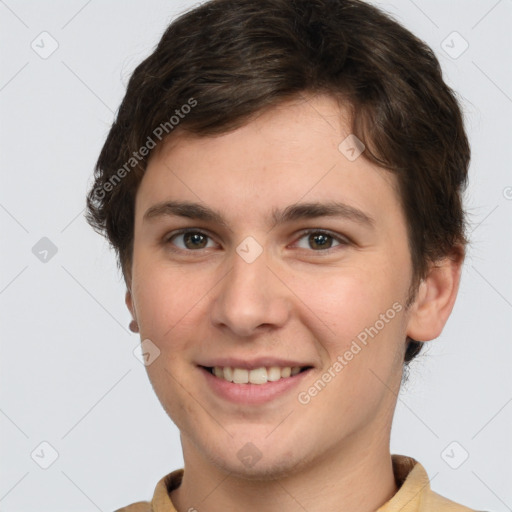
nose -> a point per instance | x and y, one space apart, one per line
251 298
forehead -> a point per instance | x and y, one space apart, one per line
295 152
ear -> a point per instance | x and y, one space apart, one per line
435 297
128 299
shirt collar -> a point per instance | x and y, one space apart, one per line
410 476
412 482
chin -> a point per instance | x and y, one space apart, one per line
252 464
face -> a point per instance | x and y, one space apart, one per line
265 252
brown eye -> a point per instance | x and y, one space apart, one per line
320 240
190 240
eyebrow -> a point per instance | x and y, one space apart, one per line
294 212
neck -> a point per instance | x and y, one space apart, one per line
349 479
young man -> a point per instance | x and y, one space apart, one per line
282 186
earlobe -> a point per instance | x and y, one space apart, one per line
435 298
129 304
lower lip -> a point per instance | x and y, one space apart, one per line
253 394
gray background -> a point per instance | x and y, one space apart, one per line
68 373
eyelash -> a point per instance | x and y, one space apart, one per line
342 240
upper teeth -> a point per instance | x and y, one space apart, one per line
256 376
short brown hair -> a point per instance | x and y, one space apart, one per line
227 60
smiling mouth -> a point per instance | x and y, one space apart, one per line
257 375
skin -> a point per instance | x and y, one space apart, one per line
296 300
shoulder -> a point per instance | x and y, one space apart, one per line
415 493
434 501
161 499
140 506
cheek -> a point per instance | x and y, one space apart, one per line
346 302
364 313
169 300
161 298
